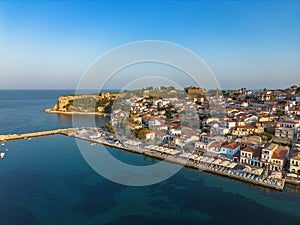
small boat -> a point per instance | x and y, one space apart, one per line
6 149
2 154
3 144
29 139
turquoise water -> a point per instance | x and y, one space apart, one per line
46 181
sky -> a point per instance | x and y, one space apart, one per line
50 44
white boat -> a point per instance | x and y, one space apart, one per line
2 154
29 139
6 149
3 144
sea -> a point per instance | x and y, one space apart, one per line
46 180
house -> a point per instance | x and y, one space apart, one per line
161 127
265 118
270 126
247 130
220 130
297 97
229 123
279 158
251 141
153 122
267 153
186 138
250 156
162 136
205 138
290 124
150 135
200 145
295 162
214 147
137 120
286 133
174 131
230 149
294 112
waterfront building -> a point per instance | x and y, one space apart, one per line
214 147
251 156
150 135
162 136
230 149
295 162
267 153
200 145
279 158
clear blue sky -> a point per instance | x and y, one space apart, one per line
246 43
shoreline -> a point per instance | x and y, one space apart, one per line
50 111
172 159
183 162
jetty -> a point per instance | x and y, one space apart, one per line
10 137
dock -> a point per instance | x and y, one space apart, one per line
10 137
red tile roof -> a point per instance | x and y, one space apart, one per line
280 153
248 149
232 145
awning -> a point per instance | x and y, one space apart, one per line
258 172
247 169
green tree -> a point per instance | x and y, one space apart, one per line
279 113
110 128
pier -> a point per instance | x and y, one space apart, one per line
10 137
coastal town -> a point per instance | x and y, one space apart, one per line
248 135
245 134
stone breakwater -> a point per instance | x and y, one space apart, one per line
10 137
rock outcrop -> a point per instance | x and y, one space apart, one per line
89 103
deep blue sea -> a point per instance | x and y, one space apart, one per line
46 181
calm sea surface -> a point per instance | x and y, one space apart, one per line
47 181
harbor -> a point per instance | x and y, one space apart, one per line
203 163
206 164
